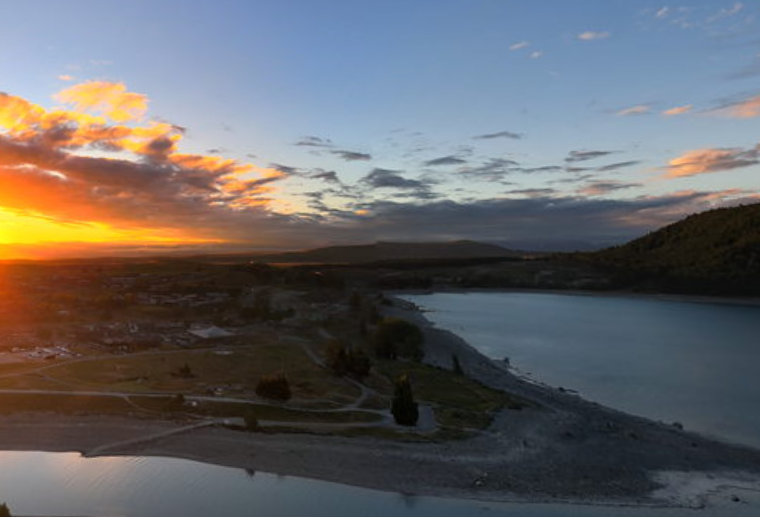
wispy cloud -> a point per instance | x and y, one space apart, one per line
499 134
678 110
314 141
640 109
583 155
111 99
705 161
743 108
351 156
602 188
617 166
591 36
445 160
662 12
519 45
536 54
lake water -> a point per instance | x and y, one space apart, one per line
694 363
40 483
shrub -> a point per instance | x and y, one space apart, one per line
184 372
456 366
251 422
403 406
274 387
343 360
398 338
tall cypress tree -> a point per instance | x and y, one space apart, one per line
403 406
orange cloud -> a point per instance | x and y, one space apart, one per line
61 182
704 161
747 108
678 110
111 99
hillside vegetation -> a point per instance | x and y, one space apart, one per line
717 251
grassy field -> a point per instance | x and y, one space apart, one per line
457 401
235 371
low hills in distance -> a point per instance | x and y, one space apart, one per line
381 252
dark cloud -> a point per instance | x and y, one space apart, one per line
387 178
601 188
555 219
351 156
328 176
534 170
569 168
494 170
445 160
617 166
574 179
500 134
580 156
286 169
533 192
314 141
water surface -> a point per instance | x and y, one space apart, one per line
44 483
695 363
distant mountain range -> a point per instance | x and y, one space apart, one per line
713 251
392 251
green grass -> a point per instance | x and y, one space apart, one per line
63 404
242 368
444 388
262 412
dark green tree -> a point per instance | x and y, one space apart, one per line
251 421
275 387
403 406
456 366
4 510
396 338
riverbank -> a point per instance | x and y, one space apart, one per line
751 301
562 449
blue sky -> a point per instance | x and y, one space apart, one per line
573 95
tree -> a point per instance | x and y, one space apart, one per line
456 366
4 510
344 360
396 338
251 421
403 406
274 387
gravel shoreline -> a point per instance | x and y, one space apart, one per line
564 450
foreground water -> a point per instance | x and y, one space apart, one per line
694 363
40 483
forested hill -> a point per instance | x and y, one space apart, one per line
392 251
717 251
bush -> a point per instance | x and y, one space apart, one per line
251 422
183 372
275 387
403 406
343 360
398 338
456 366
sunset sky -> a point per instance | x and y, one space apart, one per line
151 126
